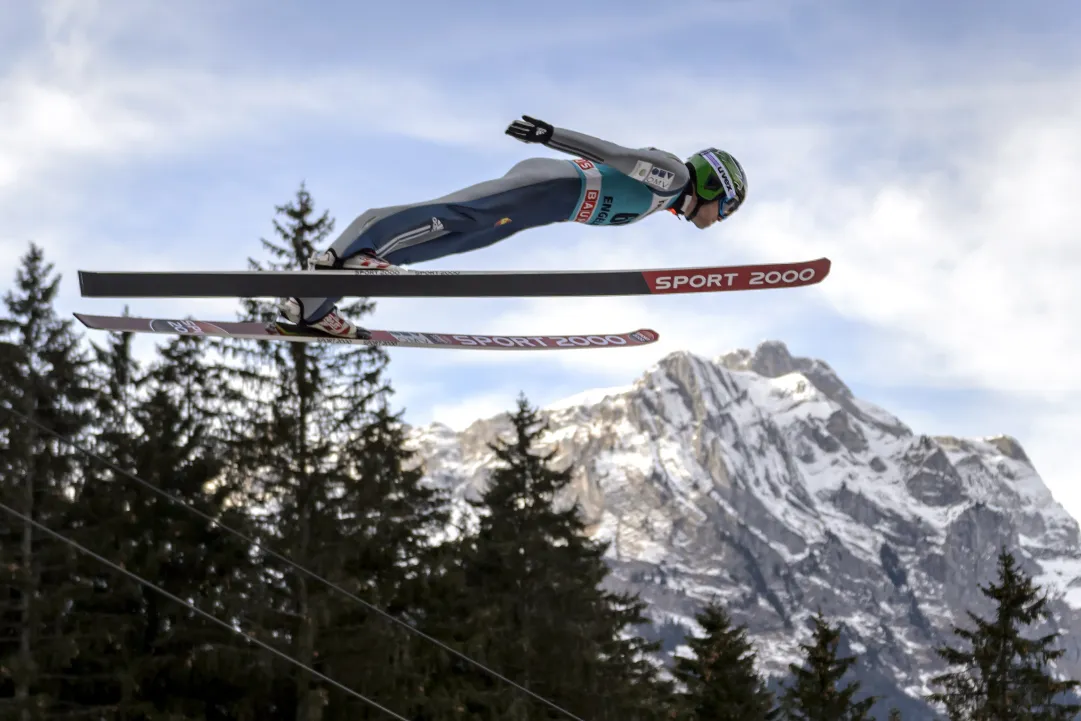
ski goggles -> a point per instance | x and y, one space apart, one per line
726 207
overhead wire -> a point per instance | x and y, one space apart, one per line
291 563
209 616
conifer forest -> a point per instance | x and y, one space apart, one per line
239 531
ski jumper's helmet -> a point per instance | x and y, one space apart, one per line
716 174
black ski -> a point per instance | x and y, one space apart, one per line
447 284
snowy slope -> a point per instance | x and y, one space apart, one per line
758 478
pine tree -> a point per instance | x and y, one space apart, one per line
43 376
530 579
284 453
139 652
815 693
720 678
102 606
390 560
1005 675
325 464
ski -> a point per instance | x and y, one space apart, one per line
409 339
447 284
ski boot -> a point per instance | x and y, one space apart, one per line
365 259
331 324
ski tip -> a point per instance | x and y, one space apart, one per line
645 336
821 267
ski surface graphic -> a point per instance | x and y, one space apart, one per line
408 339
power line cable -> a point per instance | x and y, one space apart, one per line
293 564
193 607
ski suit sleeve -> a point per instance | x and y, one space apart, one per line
663 172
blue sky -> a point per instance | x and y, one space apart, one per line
930 149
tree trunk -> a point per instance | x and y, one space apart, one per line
309 706
26 660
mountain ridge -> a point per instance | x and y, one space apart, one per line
760 479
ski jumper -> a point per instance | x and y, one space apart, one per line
607 184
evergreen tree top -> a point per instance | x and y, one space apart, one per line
1005 674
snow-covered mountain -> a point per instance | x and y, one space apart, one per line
758 478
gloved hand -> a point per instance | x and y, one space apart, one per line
530 130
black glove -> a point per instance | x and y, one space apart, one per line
530 130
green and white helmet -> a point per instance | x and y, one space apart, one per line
716 174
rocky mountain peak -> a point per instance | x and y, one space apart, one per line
761 480
772 359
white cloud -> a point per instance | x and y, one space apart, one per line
975 272
460 414
970 264
957 239
945 199
71 107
